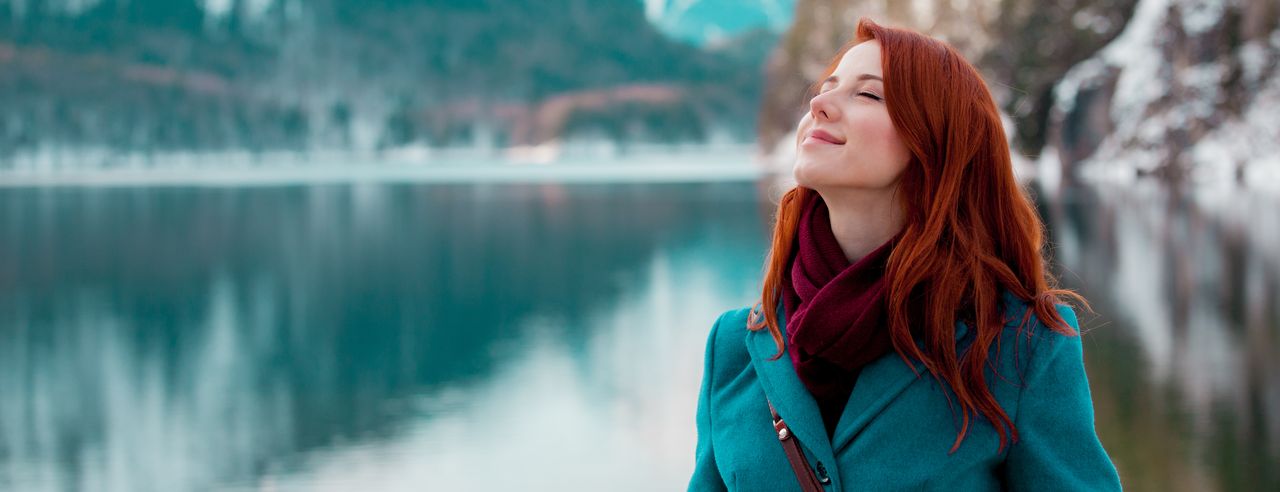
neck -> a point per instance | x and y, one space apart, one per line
863 220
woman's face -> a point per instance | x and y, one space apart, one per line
860 148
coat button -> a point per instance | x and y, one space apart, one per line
782 434
822 474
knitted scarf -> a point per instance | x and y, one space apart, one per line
836 318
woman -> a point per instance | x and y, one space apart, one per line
908 335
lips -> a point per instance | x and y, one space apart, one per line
826 137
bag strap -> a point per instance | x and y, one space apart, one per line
808 481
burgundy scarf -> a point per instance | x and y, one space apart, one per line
835 311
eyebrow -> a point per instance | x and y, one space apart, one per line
865 76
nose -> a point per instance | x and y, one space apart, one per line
821 107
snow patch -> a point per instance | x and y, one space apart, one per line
1199 16
1135 49
1155 101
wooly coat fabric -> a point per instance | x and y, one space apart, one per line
897 429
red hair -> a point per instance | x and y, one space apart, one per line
970 230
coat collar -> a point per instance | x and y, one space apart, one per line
879 383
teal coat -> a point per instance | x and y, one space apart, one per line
897 429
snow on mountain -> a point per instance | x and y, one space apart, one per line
1022 47
1189 91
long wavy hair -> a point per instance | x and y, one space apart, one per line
970 229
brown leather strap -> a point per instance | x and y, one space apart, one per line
808 481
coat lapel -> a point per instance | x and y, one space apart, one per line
879 383
790 397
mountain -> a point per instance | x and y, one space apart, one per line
144 75
1180 89
1022 48
1190 90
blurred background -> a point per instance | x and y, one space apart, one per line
479 244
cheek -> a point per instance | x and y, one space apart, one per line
803 127
878 138
878 134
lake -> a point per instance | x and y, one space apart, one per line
537 336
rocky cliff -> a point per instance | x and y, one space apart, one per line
1022 47
1188 91
1107 88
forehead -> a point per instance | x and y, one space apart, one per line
862 58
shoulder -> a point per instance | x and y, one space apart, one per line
726 344
1037 343
733 320
1054 416
1019 315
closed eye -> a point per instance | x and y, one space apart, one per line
871 95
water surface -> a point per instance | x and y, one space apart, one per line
545 336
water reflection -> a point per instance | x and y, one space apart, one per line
176 339
615 418
541 337
1184 352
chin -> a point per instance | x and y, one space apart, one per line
800 174
808 174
